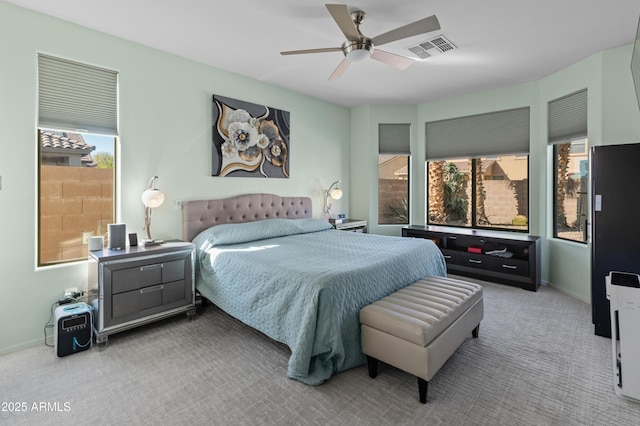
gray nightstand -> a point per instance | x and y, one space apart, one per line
353 225
139 284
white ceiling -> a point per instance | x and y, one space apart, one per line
499 42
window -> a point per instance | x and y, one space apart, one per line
393 189
568 139
393 173
77 129
571 179
76 177
473 178
485 192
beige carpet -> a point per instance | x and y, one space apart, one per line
537 362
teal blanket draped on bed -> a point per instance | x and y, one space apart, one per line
303 283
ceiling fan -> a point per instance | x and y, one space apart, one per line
358 47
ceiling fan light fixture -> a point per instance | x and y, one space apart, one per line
357 51
358 55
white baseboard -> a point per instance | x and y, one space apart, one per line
542 283
565 291
21 346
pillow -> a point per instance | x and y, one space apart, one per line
236 233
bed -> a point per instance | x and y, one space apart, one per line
264 260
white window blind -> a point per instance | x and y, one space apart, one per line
494 133
75 96
568 117
394 139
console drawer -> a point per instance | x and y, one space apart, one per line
476 261
451 256
510 266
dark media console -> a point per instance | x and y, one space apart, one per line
506 258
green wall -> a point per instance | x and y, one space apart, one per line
165 126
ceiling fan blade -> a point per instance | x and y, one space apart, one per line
396 61
422 26
340 69
321 50
342 16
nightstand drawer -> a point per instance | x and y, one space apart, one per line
173 292
137 300
353 225
173 271
148 297
147 275
134 278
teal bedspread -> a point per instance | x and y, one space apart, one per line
303 283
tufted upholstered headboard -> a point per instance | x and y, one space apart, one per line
202 214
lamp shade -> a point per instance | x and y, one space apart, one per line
152 198
335 193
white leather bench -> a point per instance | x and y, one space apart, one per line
418 328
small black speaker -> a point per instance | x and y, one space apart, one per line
133 240
117 236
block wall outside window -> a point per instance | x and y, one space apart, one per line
76 196
491 192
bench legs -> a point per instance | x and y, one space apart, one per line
422 390
372 364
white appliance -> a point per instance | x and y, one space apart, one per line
623 292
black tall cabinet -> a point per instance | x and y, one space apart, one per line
615 189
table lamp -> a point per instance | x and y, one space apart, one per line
334 193
151 198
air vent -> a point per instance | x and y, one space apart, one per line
432 47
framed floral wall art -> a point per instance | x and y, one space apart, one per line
249 140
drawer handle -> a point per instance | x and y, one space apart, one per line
475 261
152 289
509 266
150 267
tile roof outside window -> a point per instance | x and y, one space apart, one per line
66 143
